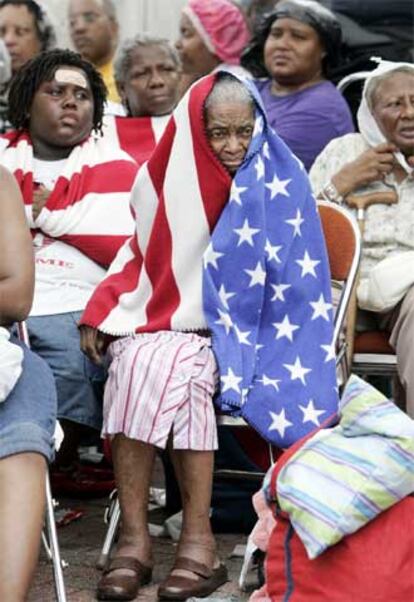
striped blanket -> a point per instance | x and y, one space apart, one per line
137 136
89 205
177 198
343 477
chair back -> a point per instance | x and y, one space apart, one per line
351 87
351 78
343 243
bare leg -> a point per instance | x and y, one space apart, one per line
133 463
194 471
22 501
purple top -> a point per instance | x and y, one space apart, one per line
309 119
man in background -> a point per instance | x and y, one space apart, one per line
94 29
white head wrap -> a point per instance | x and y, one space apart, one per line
367 124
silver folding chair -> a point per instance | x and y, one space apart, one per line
49 533
112 518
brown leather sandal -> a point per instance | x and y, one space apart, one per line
176 587
123 587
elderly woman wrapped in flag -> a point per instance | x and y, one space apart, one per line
223 291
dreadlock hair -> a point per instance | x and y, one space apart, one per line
44 27
41 68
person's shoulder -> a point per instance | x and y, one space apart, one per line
327 91
337 98
317 98
262 83
352 142
325 106
103 150
348 146
5 175
328 99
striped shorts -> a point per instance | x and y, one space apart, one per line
162 383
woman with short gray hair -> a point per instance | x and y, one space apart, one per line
147 74
124 59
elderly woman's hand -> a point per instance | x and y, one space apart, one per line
373 164
92 343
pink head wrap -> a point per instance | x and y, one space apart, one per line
221 26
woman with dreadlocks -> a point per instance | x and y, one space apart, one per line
76 194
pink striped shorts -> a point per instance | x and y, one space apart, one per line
160 383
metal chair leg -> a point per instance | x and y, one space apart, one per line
113 517
52 546
50 541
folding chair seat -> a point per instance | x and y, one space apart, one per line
373 354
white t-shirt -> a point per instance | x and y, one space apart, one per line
65 277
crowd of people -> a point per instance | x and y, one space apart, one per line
170 253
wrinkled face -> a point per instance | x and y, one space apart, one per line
151 86
393 109
62 110
229 128
293 52
18 30
195 57
93 33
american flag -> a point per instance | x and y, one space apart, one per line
137 136
265 289
267 296
155 283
